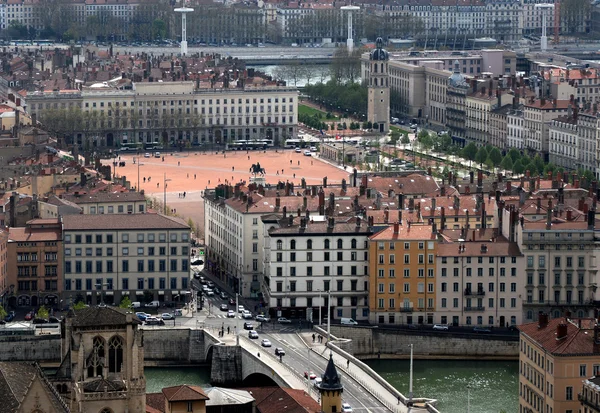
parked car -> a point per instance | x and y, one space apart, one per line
298 150
247 315
39 321
443 327
230 314
262 318
210 292
167 316
346 408
53 319
157 154
241 308
224 307
279 351
265 343
307 153
232 301
29 316
146 155
252 334
248 326
153 304
10 316
283 320
223 295
481 330
211 284
313 148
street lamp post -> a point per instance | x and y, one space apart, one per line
138 168
328 316
165 180
410 380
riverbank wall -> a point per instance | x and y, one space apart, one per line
372 342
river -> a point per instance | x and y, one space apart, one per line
494 384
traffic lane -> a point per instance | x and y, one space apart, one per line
299 360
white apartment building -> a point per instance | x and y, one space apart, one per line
171 111
537 116
561 263
309 262
587 128
514 129
22 11
564 142
109 256
479 283
109 202
3 19
479 106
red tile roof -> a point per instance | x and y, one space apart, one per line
278 400
405 232
578 341
184 393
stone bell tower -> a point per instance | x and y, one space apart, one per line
102 369
331 389
378 111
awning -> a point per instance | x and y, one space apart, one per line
109 293
161 293
125 293
139 293
88 293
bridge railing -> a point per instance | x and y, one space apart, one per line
312 392
372 375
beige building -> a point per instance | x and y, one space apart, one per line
479 107
537 117
169 112
140 255
564 139
590 396
109 202
555 357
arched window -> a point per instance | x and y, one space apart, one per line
115 354
309 244
326 244
96 360
106 410
293 244
340 244
353 243
279 244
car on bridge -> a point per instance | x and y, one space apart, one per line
252 334
230 314
317 382
248 326
279 351
310 375
265 343
283 320
346 408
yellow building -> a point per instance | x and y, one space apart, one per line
184 398
402 274
590 396
555 358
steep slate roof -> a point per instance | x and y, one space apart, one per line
184 393
103 316
331 379
102 385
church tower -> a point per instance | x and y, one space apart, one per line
103 361
331 389
379 89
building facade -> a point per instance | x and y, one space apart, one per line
143 256
564 139
402 275
35 265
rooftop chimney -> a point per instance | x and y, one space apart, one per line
561 331
542 320
396 227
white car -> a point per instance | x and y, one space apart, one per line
146 155
283 320
298 150
346 408
313 148
252 334
167 316
307 153
317 382
210 292
265 343
442 327
241 309
247 315
230 314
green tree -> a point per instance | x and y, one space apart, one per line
495 156
539 164
42 312
79 305
405 140
507 163
514 154
148 296
518 167
3 313
159 29
481 155
469 152
125 302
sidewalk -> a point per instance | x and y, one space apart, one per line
359 375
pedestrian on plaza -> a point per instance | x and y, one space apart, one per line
157 184
194 176
290 161
398 399
227 330
232 168
313 337
294 176
298 163
178 163
188 175
184 194
144 179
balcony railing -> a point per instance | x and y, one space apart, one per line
468 292
406 309
474 308
587 402
585 303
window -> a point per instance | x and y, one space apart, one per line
569 393
115 354
582 370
